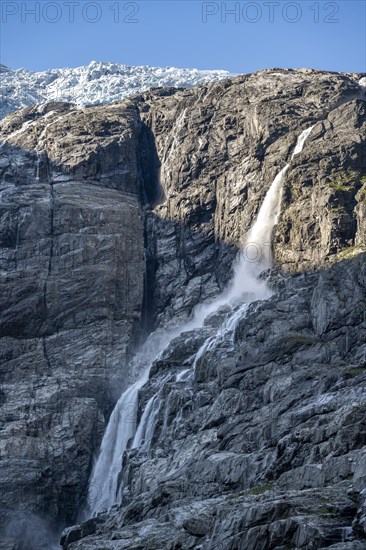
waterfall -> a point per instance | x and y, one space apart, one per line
103 485
38 162
256 254
362 84
120 429
145 430
301 141
244 289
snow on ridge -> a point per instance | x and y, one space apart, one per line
98 82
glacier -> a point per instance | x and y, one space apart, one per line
96 83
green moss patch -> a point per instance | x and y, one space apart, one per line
347 253
352 372
260 489
339 186
343 181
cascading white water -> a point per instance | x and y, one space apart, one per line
362 84
256 254
144 431
38 162
301 141
120 429
103 485
255 257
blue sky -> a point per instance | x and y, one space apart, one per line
238 36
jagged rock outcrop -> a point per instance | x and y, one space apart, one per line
182 175
72 265
264 446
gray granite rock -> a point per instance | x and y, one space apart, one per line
71 278
268 449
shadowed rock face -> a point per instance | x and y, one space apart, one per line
182 175
71 293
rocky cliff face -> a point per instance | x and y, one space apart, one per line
220 146
72 268
262 445
265 440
